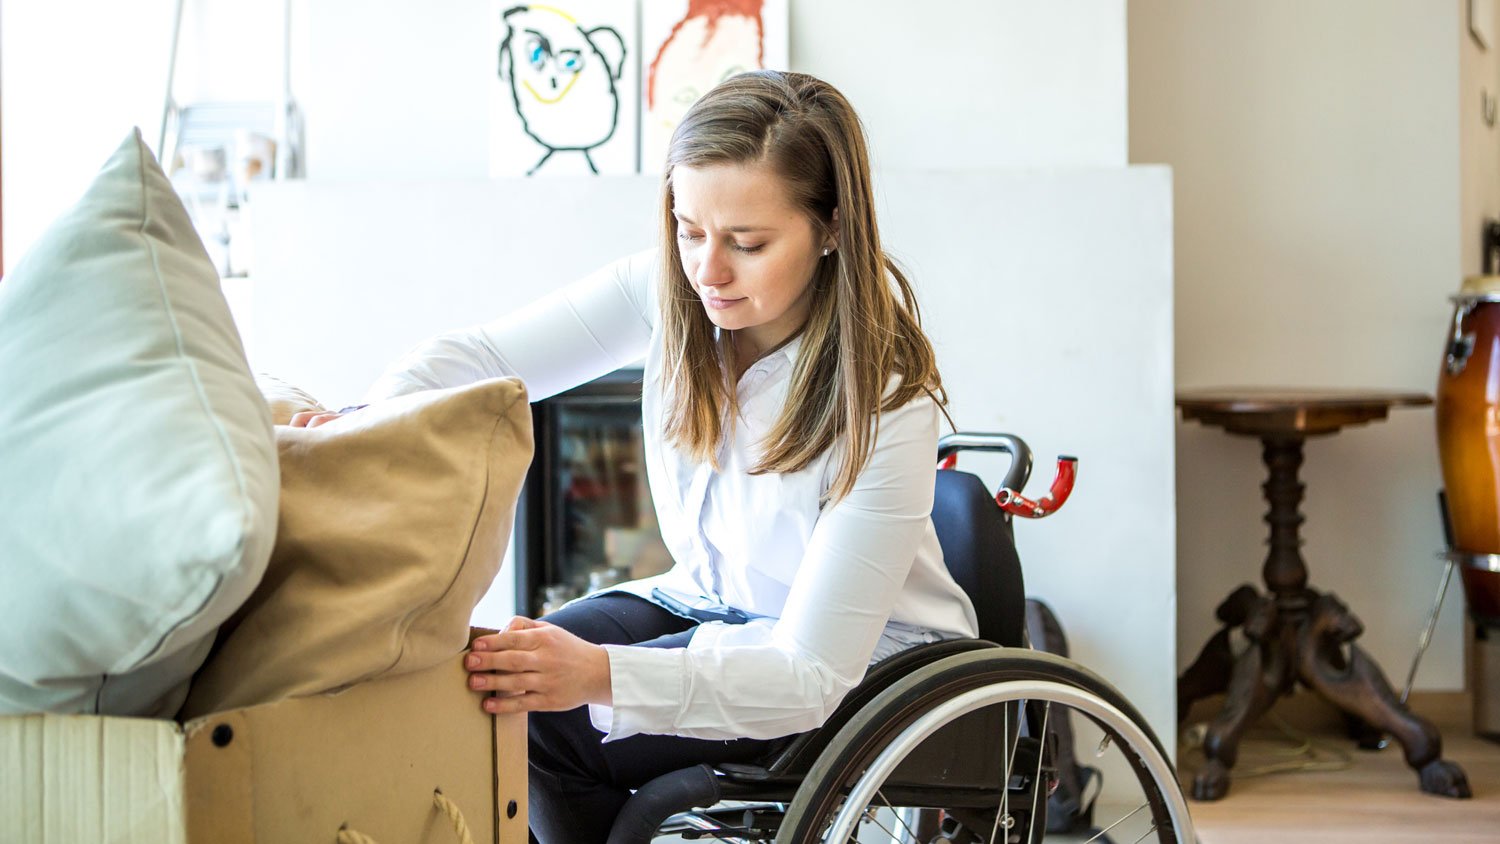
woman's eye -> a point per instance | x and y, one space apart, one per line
570 61
682 235
749 249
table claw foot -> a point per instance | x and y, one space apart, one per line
1211 782
1445 779
1355 684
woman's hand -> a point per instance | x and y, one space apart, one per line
535 666
313 418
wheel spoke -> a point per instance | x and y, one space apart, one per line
1148 832
1007 752
1036 781
883 828
899 820
1101 832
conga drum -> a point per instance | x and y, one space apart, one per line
1468 429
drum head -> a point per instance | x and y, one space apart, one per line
1476 289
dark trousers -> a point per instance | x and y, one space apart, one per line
578 783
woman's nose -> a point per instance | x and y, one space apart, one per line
713 269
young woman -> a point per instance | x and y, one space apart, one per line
791 409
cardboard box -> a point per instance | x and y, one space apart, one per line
298 770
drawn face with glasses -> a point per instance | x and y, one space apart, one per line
562 78
555 71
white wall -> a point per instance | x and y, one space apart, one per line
1071 348
76 76
399 89
71 94
231 51
1315 150
998 83
352 274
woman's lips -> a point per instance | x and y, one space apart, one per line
719 304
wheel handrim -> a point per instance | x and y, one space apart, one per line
880 768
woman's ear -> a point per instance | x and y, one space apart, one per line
833 231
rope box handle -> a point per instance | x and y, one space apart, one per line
440 801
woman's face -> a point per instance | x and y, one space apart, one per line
747 250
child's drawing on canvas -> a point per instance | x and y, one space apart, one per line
564 100
691 46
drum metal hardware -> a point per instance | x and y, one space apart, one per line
1483 562
1461 344
1426 638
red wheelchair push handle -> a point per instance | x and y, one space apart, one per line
1016 504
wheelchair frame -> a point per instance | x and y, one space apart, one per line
820 786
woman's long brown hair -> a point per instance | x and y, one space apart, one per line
864 326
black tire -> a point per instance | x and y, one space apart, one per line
999 673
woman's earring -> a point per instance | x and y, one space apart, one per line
826 250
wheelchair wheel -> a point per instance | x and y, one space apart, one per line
888 775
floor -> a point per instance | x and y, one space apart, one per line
1372 799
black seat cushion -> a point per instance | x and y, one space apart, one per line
980 551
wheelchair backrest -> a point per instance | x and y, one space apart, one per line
979 548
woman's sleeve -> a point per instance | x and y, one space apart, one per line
772 678
593 326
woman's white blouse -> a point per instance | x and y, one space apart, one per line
835 586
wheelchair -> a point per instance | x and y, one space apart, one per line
953 741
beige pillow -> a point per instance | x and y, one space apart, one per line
394 520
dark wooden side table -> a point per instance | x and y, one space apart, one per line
1297 634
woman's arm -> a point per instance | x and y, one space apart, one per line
767 679
591 327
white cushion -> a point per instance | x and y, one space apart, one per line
138 473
